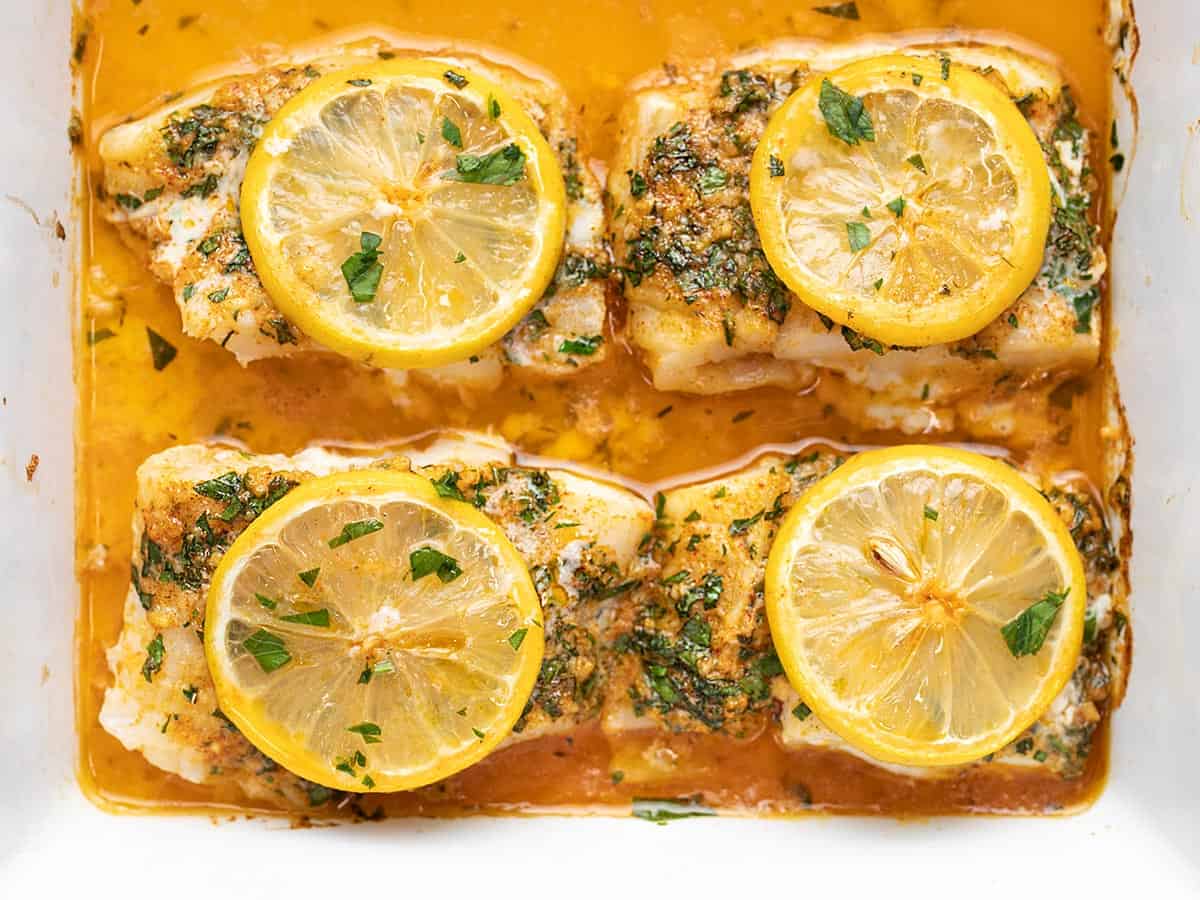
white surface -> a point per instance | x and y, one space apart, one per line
1143 835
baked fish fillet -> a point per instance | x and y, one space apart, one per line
708 313
172 181
579 536
692 650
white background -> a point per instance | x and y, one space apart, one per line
1143 835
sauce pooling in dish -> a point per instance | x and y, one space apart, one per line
138 398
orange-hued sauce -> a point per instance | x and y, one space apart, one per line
608 416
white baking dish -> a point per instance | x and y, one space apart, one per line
1143 835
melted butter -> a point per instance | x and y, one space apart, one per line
607 417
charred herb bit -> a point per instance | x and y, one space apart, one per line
775 166
845 115
637 183
536 324
268 650
162 351
459 81
155 653
839 10
431 561
945 66
363 270
352 531
585 345
359 82
503 167
858 341
316 618
1027 632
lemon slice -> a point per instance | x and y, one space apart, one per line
926 603
367 634
405 213
904 197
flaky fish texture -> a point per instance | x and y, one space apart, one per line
692 651
654 612
579 536
172 183
709 314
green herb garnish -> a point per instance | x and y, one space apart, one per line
352 531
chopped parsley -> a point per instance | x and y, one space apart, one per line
493 107
931 514
459 81
265 601
431 561
155 653
897 207
775 166
267 649
309 576
451 133
859 236
801 711
918 163
352 531
368 731
447 486
363 270
504 167
845 115
1026 633
586 345
317 618
517 638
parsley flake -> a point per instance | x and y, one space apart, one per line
431 561
352 531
